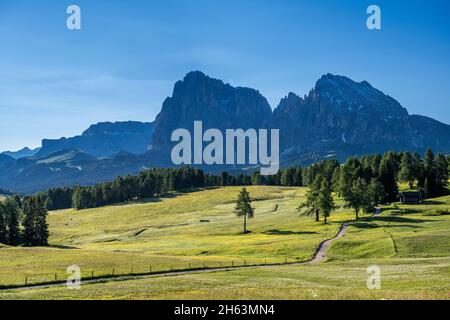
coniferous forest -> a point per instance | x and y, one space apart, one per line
362 182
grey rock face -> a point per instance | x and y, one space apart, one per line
105 139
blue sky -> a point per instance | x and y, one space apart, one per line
123 63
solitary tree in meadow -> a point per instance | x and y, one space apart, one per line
243 207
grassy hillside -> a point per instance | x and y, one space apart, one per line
403 231
411 245
194 228
401 279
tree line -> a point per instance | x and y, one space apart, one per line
362 182
23 221
375 175
155 183
373 179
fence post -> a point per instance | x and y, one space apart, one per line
150 269
245 262
26 280
56 277
92 273
189 265
265 261
113 271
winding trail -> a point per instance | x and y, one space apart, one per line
323 247
318 257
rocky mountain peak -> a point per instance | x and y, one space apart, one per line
216 104
348 96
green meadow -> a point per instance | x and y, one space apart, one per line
401 279
411 245
193 229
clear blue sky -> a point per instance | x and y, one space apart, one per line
125 60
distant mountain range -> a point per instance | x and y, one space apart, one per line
65 168
337 119
23 153
105 139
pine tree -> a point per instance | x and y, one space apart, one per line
3 237
358 198
224 179
406 173
29 232
335 180
442 176
375 194
387 177
430 185
427 189
418 170
12 215
349 173
298 177
243 207
82 199
311 207
35 222
285 177
256 178
325 200
41 228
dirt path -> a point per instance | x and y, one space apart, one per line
323 247
319 256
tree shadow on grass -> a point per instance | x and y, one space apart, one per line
398 219
63 247
404 226
405 211
432 202
170 195
365 225
287 233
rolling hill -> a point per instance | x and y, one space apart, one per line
198 229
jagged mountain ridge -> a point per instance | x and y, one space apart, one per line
216 104
338 118
341 118
105 139
23 153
